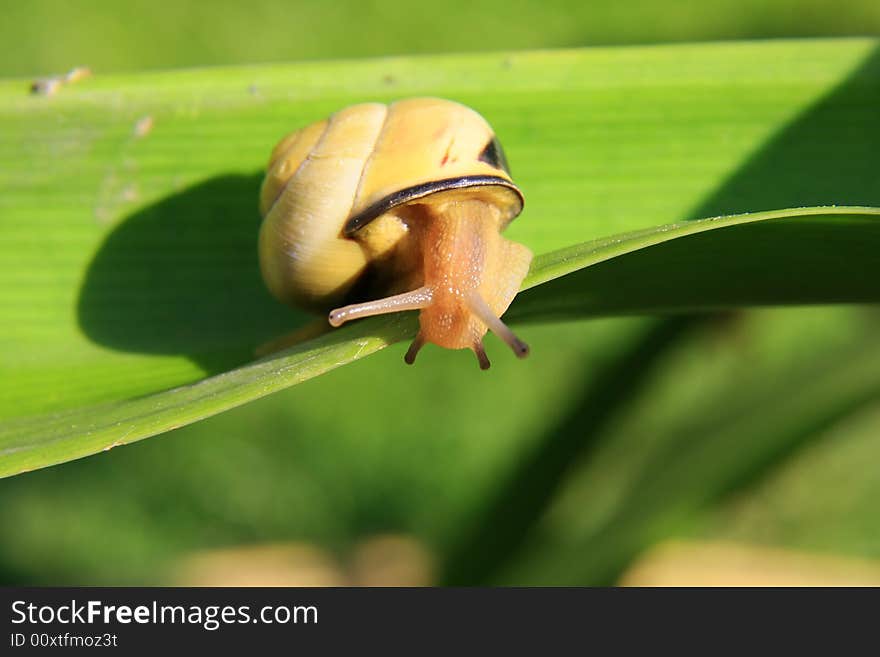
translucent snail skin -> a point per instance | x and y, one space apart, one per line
385 208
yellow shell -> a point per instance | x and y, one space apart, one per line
408 200
326 181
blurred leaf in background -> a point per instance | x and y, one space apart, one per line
757 427
50 36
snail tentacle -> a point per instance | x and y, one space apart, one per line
413 300
482 358
414 348
481 309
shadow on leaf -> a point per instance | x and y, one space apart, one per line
181 277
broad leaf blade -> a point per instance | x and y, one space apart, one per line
46 440
129 259
787 257
129 262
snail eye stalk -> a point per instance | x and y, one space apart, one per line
414 300
499 328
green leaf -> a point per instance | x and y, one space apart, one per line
129 263
800 256
40 35
848 276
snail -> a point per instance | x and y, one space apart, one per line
385 208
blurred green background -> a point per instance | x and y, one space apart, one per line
755 428
46 36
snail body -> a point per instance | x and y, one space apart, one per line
385 208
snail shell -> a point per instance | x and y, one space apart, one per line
383 208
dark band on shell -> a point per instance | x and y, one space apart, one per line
417 192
